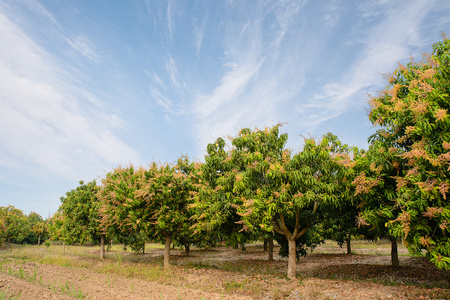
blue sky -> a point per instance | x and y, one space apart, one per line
88 85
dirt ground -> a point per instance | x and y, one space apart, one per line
95 286
224 273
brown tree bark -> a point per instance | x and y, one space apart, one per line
347 241
291 272
394 253
167 252
102 247
265 245
270 242
187 248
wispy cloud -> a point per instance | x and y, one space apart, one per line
256 76
45 123
170 24
162 101
199 32
331 15
172 71
84 46
231 87
380 54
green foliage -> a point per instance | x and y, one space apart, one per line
376 187
16 227
123 215
296 188
413 113
259 185
216 202
79 217
166 191
139 205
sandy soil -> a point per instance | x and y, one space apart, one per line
62 282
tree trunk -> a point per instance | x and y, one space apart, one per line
349 248
167 252
270 242
187 248
39 240
143 249
291 273
64 247
265 245
394 253
102 247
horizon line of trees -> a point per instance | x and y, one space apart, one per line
19 228
257 189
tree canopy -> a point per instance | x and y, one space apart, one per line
412 112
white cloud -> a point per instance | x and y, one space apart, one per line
162 100
46 123
256 78
169 19
172 71
331 15
199 33
85 47
231 87
385 45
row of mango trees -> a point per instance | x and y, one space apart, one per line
256 188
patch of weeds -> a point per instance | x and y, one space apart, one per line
7 295
178 293
53 287
34 274
118 258
21 273
200 265
234 285
69 290
109 282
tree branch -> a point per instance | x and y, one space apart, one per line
297 225
282 225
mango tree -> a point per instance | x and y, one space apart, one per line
2 230
165 193
16 224
215 207
57 229
252 155
80 210
297 189
376 186
339 223
123 215
39 229
413 113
